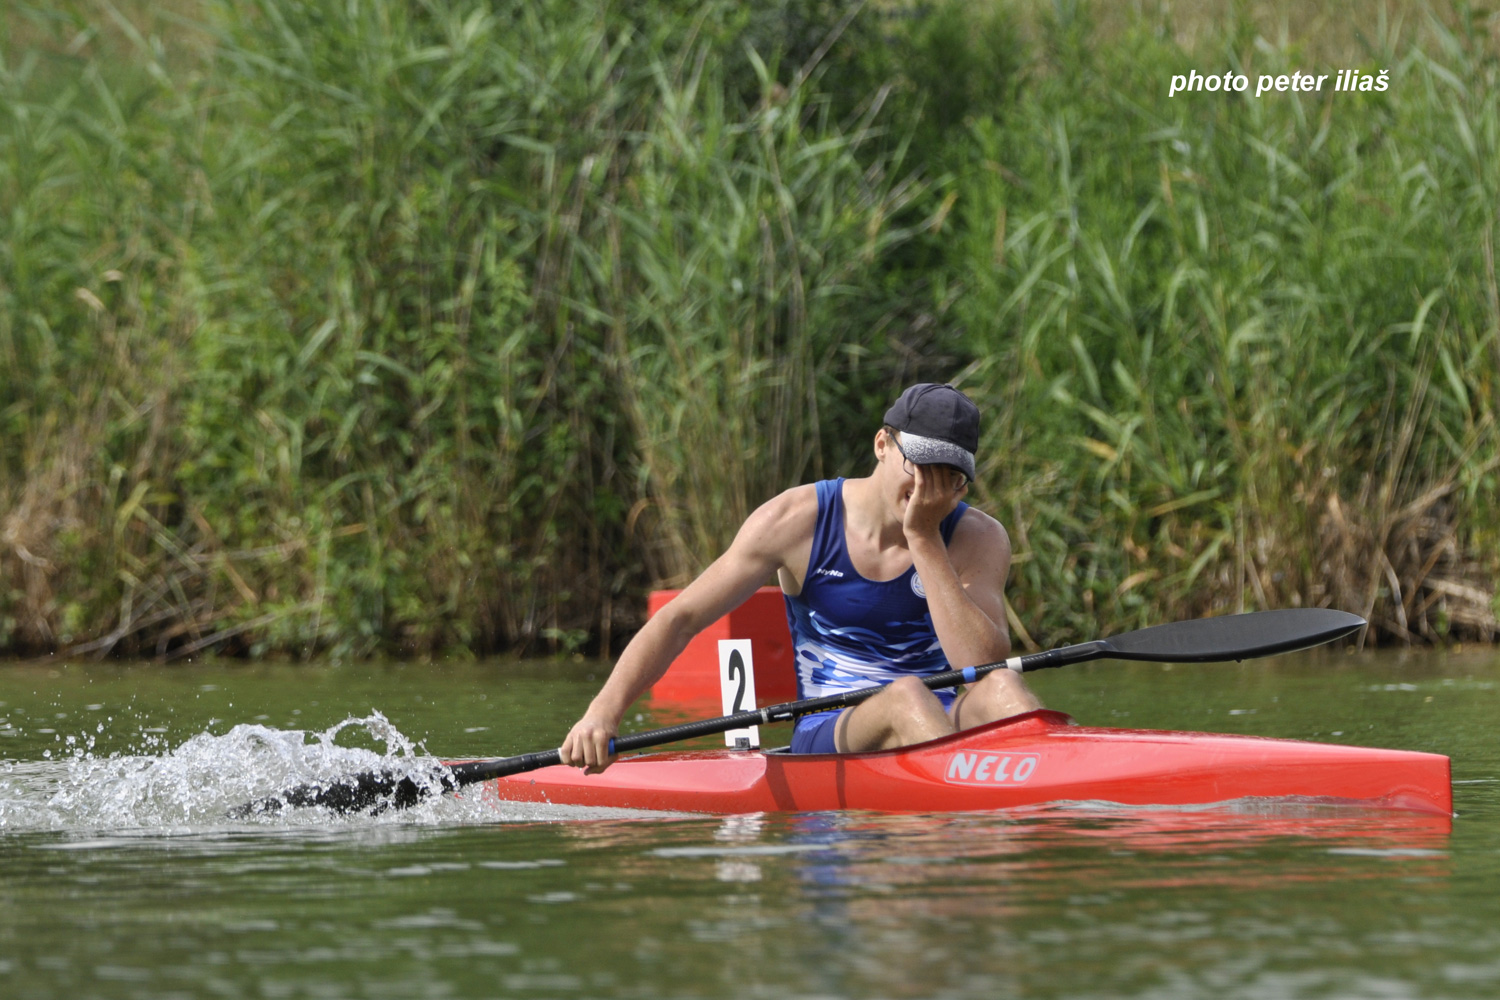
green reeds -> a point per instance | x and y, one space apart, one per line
1249 345
417 326
466 318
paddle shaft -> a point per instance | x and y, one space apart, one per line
1233 637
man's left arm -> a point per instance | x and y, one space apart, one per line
964 581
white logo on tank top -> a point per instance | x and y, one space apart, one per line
917 588
830 572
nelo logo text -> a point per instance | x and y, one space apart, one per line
981 768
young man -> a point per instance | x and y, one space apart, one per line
887 578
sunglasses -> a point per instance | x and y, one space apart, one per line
956 478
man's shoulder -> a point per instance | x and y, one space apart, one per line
791 511
778 529
978 530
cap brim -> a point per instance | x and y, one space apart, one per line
935 451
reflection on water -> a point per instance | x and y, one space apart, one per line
121 878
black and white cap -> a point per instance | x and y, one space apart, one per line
939 426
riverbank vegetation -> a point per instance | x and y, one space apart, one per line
415 327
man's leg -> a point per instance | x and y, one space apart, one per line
904 713
997 695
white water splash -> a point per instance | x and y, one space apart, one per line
192 788
195 784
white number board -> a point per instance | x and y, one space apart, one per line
737 687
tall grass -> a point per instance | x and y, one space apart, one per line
415 326
1247 347
410 327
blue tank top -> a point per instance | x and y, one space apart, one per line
849 632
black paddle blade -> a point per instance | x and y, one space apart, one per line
365 792
1234 637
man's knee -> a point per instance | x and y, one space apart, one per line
997 695
904 712
997 681
909 690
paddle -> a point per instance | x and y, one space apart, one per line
1205 640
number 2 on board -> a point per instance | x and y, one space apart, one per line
737 688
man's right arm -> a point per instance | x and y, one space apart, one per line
759 549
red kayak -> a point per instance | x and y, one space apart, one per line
1038 757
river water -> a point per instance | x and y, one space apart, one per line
120 876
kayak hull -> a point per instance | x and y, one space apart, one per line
1033 758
